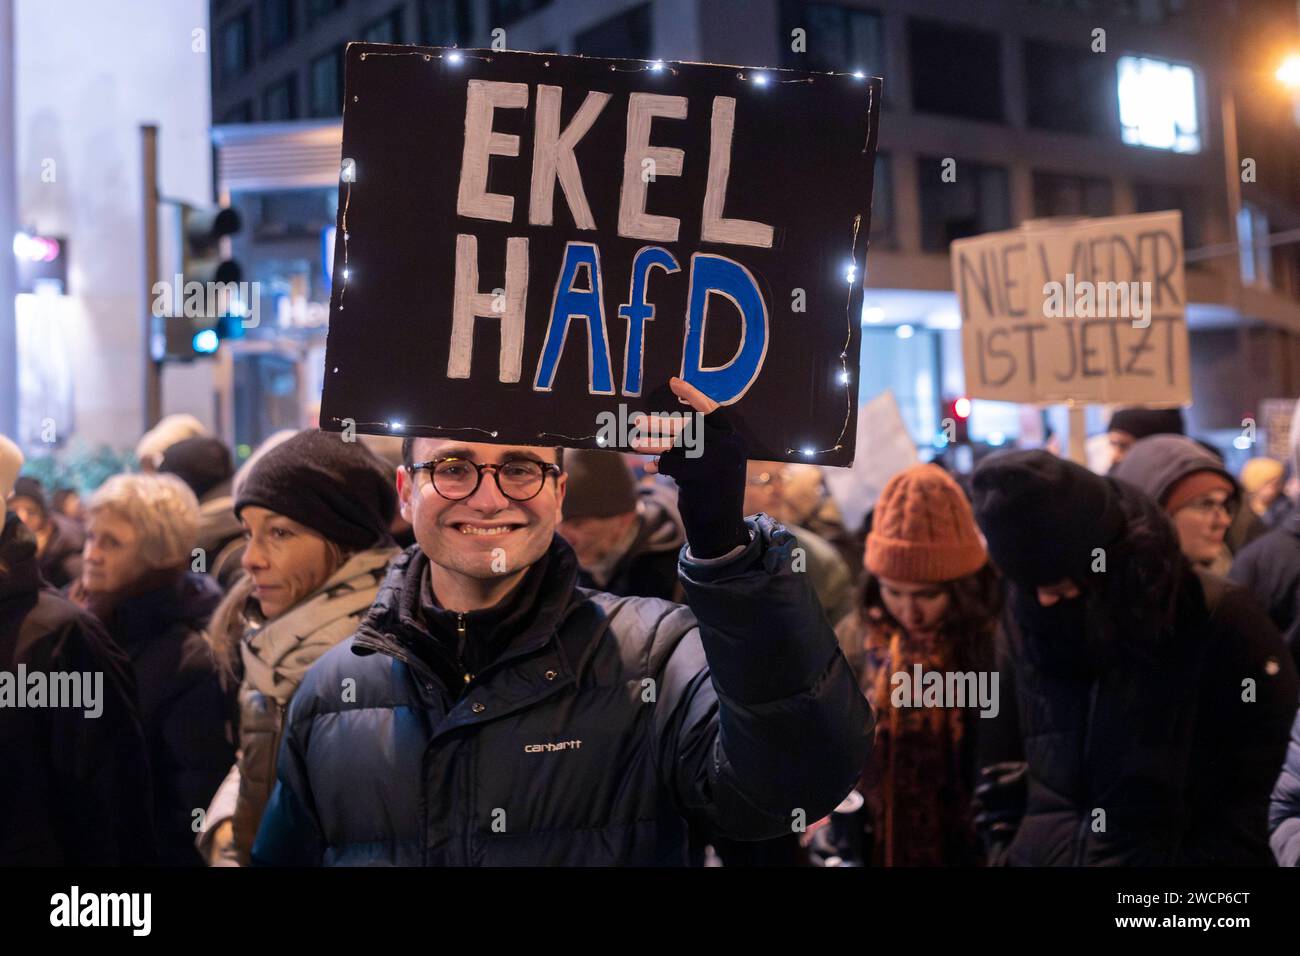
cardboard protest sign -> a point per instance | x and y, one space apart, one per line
882 430
530 245
1275 419
1090 311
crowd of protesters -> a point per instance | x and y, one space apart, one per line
440 652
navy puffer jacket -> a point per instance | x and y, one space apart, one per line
600 731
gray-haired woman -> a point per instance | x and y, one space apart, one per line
136 578
316 512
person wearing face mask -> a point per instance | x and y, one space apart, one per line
315 512
1146 705
136 578
1194 489
500 714
930 597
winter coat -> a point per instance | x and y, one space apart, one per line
74 790
594 737
60 561
1284 809
183 708
1154 753
1269 568
648 568
275 656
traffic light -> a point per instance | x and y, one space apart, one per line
956 420
206 303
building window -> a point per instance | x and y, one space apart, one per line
626 35
277 23
1253 251
327 84
1160 197
838 38
1157 105
445 22
387 29
1068 90
318 10
882 204
502 13
955 71
1059 195
977 201
241 112
280 102
234 47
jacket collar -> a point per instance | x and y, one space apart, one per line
394 625
189 599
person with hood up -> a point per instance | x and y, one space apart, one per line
136 580
626 540
59 539
74 780
1200 496
316 513
1146 705
499 714
930 598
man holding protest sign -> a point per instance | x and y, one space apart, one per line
489 712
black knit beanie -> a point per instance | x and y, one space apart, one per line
202 463
336 488
1043 516
600 485
29 487
1141 422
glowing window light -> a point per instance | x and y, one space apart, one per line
1157 105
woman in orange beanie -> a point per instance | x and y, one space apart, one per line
929 604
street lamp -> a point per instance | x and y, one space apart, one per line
1288 74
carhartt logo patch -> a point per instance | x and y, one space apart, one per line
551 748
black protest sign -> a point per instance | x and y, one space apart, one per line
1089 311
532 245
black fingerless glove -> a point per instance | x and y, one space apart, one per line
712 488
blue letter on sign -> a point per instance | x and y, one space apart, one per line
718 274
581 303
638 312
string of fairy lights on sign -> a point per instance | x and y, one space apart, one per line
756 78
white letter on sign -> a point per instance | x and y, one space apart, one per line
741 232
553 155
468 303
633 221
472 198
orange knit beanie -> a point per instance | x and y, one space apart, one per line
923 529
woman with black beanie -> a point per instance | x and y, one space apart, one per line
315 512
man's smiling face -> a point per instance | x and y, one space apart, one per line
486 535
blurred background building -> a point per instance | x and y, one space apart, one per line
1040 122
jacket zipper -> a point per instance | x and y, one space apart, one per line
460 643
1082 835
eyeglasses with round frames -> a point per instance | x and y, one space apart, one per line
456 479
